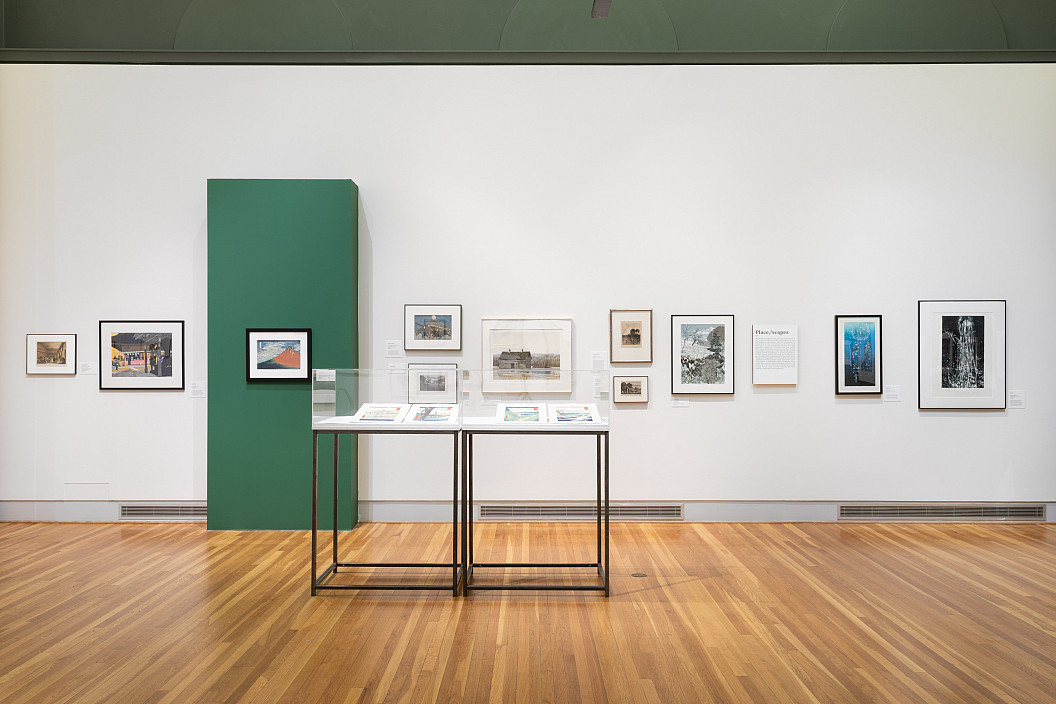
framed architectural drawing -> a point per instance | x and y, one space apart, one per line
432 327
961 354
859 355
278 354
520 355
51 354
702 354
432 383
630 389
141 354
630 336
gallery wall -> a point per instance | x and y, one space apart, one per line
778 194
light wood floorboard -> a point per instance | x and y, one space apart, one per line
162 613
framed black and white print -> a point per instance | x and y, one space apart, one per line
630 389
51 354
278 354
432 383
961 354
859 355
630 336
702 354
427 327
141 355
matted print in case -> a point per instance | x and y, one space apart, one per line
278 354
702 354
859 355
961 354
526 355
141 354
51 354
427 327
630 336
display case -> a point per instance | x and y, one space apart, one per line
421 400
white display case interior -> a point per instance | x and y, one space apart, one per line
401 400
522 400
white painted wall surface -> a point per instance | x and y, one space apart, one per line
779 194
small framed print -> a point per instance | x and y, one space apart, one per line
141 355
278 354
51 354
432 327
702 359
631 336
630 389
859 355
432 383
961 355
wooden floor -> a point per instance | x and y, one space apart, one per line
725 613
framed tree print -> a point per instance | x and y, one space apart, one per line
141 354
278 354
859 355
51 354
961 354
432 327
630 389
631 336
702 359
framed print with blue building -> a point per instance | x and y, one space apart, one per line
859 355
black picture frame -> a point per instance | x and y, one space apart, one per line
141 355
859 359
278 354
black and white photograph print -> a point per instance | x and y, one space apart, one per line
962 354
702 354
432 383
630 389
51 354
631 336
432 327
141 354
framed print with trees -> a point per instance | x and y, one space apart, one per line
702 354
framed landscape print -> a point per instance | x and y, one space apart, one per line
631 336
526 355
432 383
432 327
278 354
630 389
961 348
141 354
51 354
702 354
859 355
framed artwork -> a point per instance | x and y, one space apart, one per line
859 355
702 354
51 354
432 327
526 355
432 383
278 354
630 389
630 336
961 354
141 354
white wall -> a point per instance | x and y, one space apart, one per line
779 194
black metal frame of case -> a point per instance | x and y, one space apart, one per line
318 580
468 563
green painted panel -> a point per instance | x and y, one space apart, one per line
282 254
567 25
264 25
426 25
752 25
915 25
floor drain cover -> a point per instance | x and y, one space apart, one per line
638 574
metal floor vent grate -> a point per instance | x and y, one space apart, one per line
628 512
942 512
163 512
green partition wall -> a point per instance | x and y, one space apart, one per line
282 254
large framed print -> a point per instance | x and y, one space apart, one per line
432 327
630 389
432 383
630 336
522 355
961 354
278 354
859 355
51 354
702 354
141 354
